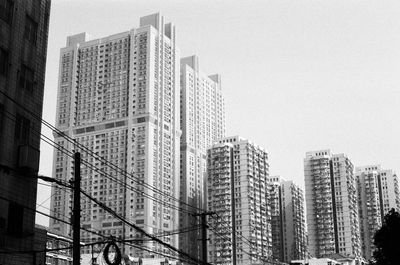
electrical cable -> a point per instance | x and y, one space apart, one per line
53 217
64 185
214 230
47 185
74 142
58 147
101 172
55 145
137 228
86 244
116 215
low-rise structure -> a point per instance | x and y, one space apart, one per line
315 261
333 259
62 253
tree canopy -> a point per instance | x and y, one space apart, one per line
387 241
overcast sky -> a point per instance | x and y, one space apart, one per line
297 75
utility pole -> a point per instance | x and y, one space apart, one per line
92 256
77 210
204 226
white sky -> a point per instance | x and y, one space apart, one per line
297 75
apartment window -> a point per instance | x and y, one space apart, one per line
26 79
22 129
3 61
6 8
31 28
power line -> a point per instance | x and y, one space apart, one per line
33 251
154 238
101 172
156 252
58 147
93 154
45 214
124 241
98 170
97 232
221 219
64 150
178 231
110 164
124 184
8 170
46 185
105 207
163 234
214 230
69 153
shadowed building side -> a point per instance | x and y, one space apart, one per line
24 28
202 123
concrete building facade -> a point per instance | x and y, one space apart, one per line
275 202
24 28
118 96
202 123
332 208
378 192
237 191
61 256
288 220
58 248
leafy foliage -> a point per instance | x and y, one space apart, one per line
387 241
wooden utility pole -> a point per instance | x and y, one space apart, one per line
77 210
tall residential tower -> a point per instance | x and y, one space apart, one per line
332 208
378 192
237 192
118 96
288 220
202 122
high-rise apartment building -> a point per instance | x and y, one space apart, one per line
331 201
275 202
202 122
119 97
289 239
237 191
378 192
24 28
